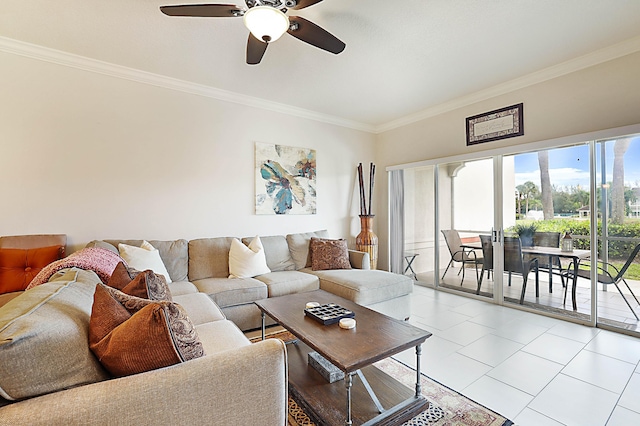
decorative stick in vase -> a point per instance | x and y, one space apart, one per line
363 202
372 174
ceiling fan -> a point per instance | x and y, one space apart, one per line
266 21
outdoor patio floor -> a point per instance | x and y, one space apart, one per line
612 310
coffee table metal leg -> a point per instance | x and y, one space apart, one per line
262 315
348 381
418 381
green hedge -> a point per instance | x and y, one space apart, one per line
617 249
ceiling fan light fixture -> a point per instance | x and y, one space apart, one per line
266 23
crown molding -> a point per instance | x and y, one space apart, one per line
41 53
591 59
46 54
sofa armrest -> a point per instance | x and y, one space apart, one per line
359 259
247 385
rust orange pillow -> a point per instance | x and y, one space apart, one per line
146 284
130 335
329 254
19 266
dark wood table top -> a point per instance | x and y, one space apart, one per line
375 337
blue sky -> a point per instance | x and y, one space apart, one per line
570 166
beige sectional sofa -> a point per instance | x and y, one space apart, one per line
46 365
202 265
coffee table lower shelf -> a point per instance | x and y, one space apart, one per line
324 402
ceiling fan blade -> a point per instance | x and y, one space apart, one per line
255 50
301 4
202 10
309 32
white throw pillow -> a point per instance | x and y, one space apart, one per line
143 258
247 262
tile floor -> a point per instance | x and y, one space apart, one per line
533 369
611 306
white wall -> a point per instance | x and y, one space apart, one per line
596 98
94 156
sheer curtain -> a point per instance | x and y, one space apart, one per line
396 221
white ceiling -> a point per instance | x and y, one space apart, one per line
402 57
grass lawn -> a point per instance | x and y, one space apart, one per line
633 273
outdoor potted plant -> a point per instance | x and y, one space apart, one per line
525 231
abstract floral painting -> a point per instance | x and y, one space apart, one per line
285 179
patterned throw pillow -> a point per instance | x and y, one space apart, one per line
146 284
329 254
164 334
19 266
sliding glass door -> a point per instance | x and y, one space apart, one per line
465 213
549 192
527 228
618 211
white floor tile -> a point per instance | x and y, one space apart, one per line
572 374
440 320
475 308
574 402
434 349
498 396
456 371
554 348
520 331
465 333
576 332
527 372
631 396
529 417
491 349
603 371
498 318
623 417
617 346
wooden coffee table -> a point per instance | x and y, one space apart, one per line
375 337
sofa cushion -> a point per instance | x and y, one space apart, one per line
200 308
277 252
44 334
209 258
182 287
174 255
164 334
145 284
282 283
220 336
329 254
364 287
19 266
247 262
299 247
143 258
232 291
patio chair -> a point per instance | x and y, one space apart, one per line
460 254
548 263
514 262
487 258
605 277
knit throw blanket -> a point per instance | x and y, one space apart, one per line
99 260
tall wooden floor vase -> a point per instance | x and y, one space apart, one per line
367 241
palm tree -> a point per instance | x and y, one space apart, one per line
617 186
529 190
545 185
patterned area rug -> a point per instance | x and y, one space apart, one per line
447 407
